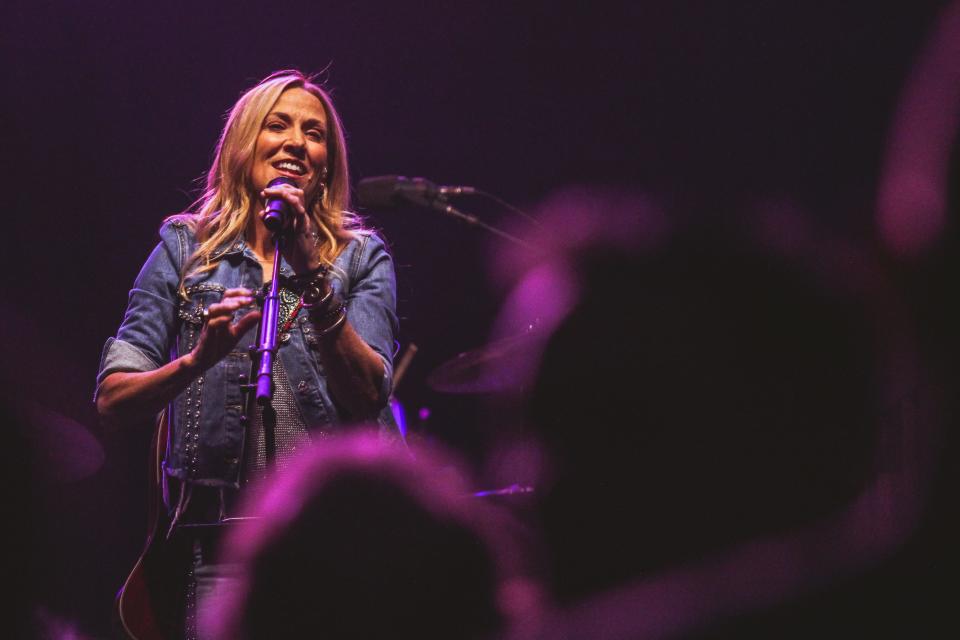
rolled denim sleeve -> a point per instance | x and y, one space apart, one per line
143 340
372 305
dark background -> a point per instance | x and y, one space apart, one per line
111 111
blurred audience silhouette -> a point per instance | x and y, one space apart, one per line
362 540
693 398
715 385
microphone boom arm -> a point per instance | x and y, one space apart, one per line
440 204
390 191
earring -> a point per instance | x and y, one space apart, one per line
322 187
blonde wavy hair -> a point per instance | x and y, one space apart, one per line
220 216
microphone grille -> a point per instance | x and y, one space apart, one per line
282 180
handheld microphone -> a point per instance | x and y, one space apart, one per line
278 210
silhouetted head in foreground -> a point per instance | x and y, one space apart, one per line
362 541
698 395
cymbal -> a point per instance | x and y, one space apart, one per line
499 366
65 449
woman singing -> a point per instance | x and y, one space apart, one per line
184 341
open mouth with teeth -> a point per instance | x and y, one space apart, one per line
290 168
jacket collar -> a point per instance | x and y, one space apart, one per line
240 247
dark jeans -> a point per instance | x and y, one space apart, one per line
208 580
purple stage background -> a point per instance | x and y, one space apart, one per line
111 111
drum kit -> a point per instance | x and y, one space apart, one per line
499 367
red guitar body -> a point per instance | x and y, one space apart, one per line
149 606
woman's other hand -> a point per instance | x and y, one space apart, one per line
220 333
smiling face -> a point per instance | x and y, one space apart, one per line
292 143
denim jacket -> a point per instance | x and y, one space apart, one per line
206 441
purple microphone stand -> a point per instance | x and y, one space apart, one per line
275 220
267 344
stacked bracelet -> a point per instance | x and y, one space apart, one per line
327 310
317 294
330 320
